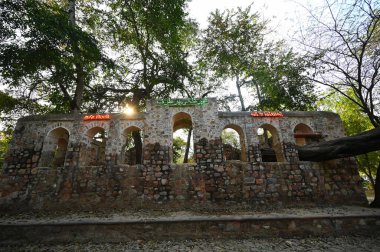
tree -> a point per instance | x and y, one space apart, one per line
280 80
235 46
7 104
350 146
231 137
5 138
178 148
344 45
230 44
33 28
149 38
355 122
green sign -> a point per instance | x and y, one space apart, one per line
183 102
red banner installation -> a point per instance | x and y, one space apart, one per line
96 117
267 114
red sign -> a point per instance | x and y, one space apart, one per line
267 114
96 117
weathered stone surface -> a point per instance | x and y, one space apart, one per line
54 162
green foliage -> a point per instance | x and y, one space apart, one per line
355 121
7 103
343 42
234 46
5 138
232 40
37 51
231 137
150 38
179 146
280 81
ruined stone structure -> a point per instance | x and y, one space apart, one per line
58 161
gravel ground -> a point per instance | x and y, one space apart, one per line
314 244
334 244
50 217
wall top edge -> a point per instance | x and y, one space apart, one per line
285 114
71 117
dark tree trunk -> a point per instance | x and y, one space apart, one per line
78 96
343 147
259 95
136 135
239 94
138 95
376 201
186 158
76 103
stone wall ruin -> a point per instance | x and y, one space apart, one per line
66 161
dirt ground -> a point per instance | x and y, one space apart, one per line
334 244
351 243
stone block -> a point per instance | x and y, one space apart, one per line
164 181
259 181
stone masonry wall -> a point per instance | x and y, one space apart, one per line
233 184
31 180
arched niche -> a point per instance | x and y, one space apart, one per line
55 147
304 135
182 120
132 149
270 145
94 152
233 143
183 144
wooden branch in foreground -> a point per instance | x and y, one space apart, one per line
343 147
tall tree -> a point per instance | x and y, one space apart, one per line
355 122
44 52
149 38
344 45
76 103
235 46
230 44
280 80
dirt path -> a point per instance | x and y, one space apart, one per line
334 244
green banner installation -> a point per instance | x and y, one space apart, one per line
183 102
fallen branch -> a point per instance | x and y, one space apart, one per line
343 147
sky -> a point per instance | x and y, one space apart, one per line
285 15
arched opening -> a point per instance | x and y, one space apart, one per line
55 147
131 152
96 150
270 145
183 150
233 143
304 135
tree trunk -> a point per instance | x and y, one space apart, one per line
136 135
376 201
258 95
78 96
186 158
138 95
367 169
239 93
79 72
343 147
